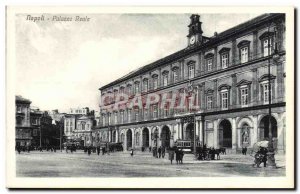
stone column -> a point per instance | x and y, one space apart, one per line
234 90
255 129
234 135
133 138
215 62
280 133
215 100
179 130
255 87
255 45
201 130
202 101
234 56
125 140
216 142
280 82
172 135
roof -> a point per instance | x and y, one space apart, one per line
20 99
213 40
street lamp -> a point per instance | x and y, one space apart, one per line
271 154
191 91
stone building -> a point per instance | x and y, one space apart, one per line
78 125
226 75
27 123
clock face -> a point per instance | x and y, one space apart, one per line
192 39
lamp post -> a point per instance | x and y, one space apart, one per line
191 90
271 154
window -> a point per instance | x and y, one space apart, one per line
244 54
88 126
224 100
209 64
244 96
109 118
82 126
129 90
266 49
165 79
224 60
122 117
166 111
129 115
19 120
145 85
155 111
175 75
266 92
122 91
145 114
19 109
116 118
136 114
137 87
155 82
209 102
191 71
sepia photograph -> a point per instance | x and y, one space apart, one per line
141 97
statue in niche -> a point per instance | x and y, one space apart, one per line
245 137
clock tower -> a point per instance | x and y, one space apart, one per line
195 31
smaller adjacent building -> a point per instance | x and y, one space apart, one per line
78 126
27 123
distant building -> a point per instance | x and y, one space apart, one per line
78 124
27 122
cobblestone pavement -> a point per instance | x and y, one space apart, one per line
121 164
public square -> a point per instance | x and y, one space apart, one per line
142 164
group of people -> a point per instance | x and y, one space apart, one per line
159 152
260 157
179 155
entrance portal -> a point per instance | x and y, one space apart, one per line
129 139
165 137
189 132
264 127
145 137
225 134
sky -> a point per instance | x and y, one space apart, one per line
62 65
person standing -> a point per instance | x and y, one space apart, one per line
171 155
131 153
159 152
103 150
163 152
181 154
98 150
89 150
177 152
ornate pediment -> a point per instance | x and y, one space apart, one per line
224 87
243 82
224 50
209 91
209 55
265 77
266 35
243 43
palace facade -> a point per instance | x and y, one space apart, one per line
230 79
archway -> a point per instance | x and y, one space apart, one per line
145 137
114 135
165 137
264 127
189 132
129 139
122 138
225 134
